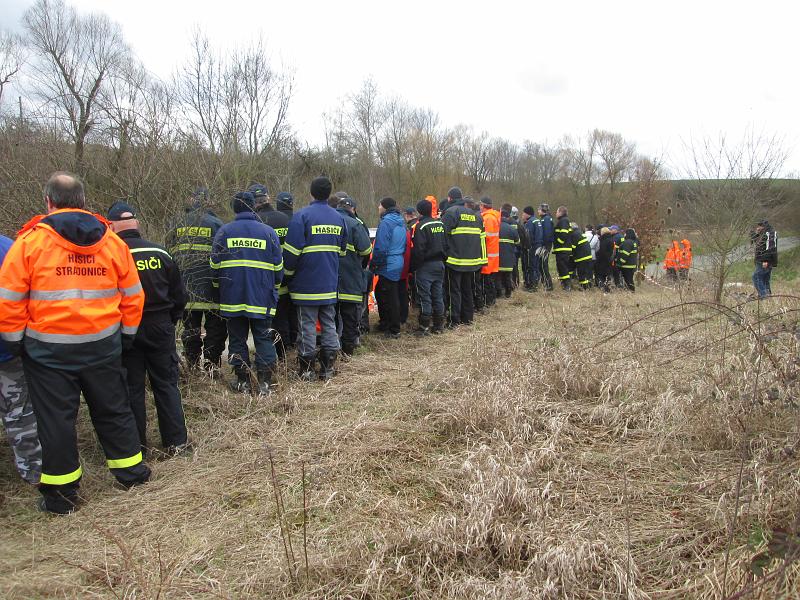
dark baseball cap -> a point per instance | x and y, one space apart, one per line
285 198
121 211
347 201
258 190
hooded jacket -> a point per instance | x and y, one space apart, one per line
466 242
390 246
69 290
605 251
248 267
317 237
189 241
352 275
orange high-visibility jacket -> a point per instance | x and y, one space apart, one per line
56 293
491 224
435 206
670 261
686 254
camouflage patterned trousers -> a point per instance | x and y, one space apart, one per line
20 422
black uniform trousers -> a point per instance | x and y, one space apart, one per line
402 300
584 269
349 314
627 278
154 357
459 291
505 283
56 395
602 273
284 325
563 266
388 299
212 347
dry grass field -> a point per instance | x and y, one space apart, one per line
565 446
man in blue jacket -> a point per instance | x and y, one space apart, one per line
248 265
317 237
540 231
387 264
16 408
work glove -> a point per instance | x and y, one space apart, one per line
127 342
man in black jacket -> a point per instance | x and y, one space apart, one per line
562 246
352 275
466 254
284 323
765 243
605 254
427 263
189 242
154 354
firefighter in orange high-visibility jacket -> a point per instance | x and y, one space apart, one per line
70 299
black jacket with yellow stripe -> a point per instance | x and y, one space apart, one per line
352 273
465 237
562 238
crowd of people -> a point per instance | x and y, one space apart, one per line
88 306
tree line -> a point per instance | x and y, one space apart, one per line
84 102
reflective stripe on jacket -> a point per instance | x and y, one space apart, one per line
509 241
189 242
317 235
491 225
466 244
352 275
69 288
562 241
248 266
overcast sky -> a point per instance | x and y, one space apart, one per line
659 73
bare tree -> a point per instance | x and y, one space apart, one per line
478 157
75 56
616 155
367 115
11 59
730 188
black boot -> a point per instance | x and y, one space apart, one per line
266 379
424 326
438 324
348 349
306 367
242 383
327 362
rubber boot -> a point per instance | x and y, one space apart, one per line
424 327
438 324
266 379
242 383
348 349
306 367
327 362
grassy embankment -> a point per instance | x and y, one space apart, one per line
534 455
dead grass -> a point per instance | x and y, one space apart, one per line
524 457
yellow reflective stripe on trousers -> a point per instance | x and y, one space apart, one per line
124 463
62 479
258 310
325 296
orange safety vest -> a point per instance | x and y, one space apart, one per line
491 225
686 254
670 259
59 293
